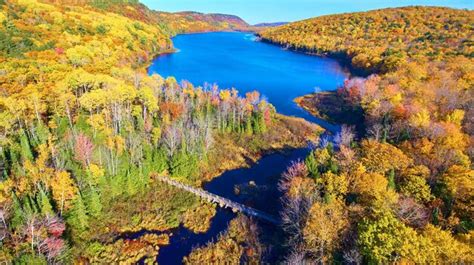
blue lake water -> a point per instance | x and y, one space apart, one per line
237 60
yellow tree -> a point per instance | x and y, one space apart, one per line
371 188
380 157
459 181
446 248
324 227
64 190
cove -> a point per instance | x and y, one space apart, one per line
238 60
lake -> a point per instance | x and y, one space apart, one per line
231 59
238 60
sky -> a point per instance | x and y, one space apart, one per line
257 11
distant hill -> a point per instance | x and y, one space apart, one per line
274 24
173 23
215 17
212 21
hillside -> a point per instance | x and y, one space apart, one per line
402 191
84 130
381 40
273 24
185 22
173 23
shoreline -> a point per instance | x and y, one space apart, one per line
330 107
341 57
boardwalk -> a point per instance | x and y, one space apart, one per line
221 201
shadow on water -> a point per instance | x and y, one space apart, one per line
255 187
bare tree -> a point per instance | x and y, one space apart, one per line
137 79
376 131
3 223
346 156
345 136
208 138
296 257
294 214
324 141
31 230
134 147
171 139
352 256
411 212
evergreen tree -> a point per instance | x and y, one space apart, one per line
248 126
25 147
332 166
40 135
18 216
391 179
132 185
256 124
160 161
44 203
94 204
77 217
183 165
312 165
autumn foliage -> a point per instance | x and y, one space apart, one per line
83 127
410 172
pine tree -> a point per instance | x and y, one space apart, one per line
159 160
25 147
132 185
41 133
391 179
177 164
18 216
248 126
256 124
312 165
44 203
29 206
94 204
77 217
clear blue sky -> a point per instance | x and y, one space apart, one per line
256 11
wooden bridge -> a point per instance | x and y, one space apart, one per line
221 201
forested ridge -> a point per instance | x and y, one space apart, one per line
173 23
382 40
84 131
402 192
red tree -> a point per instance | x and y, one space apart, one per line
83 149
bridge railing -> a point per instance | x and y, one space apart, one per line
213 198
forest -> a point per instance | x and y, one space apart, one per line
402 191
84 131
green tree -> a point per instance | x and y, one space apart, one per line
386 239
77 216
25 147
44 203
312 165
416 187
94 204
